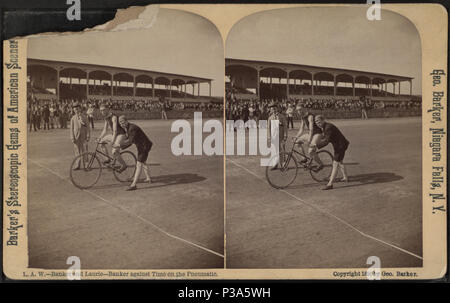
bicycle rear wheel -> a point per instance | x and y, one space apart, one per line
281 176
85 170
128 174
324 174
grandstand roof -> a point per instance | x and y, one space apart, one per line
114 70
278 69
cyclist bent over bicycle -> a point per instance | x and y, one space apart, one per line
308 136
116 137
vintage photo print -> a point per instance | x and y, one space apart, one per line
347 93
229 141
104 182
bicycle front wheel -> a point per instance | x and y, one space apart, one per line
128 174
324 174
284 172
85 170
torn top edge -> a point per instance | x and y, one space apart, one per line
131 18
134 17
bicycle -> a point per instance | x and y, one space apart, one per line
281 176
86 168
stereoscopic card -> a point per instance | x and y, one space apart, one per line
223 141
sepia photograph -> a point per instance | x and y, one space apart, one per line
103 182
346 185
225 142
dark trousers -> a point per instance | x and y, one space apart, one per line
91 121
291 121
32 124
37 123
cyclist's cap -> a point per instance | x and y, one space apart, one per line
122 119
319 118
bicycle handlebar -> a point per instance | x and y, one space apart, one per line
294 139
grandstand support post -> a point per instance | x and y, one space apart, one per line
312 84
112 85
410 87
385 89
287 85
87 84
371 86
258 92
209 82
153 87
335 84
170 88
134 86
57 85
393 88
399 91
198 89
353 86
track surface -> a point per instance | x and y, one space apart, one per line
176 222
378 213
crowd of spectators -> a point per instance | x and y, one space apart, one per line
243 109
77 91
277 90
46 114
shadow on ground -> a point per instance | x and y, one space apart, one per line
365 179
161 181
358 180
178 179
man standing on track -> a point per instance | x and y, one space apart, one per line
36 118
79 132
163 108
135 135
282 130
90 114
52 113
363 104
115 138
290 115
46 117
331 134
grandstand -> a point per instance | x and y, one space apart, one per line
257 80
57 80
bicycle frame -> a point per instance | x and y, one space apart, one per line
295 151
98 151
